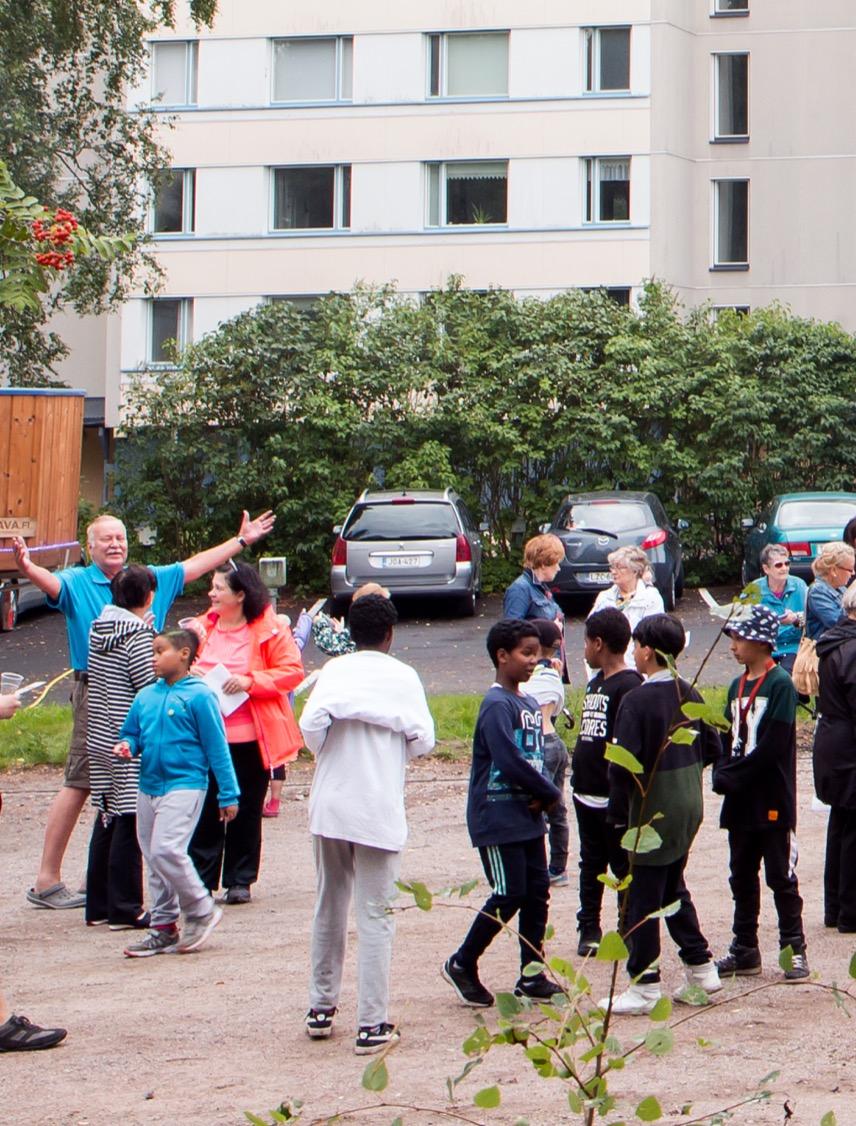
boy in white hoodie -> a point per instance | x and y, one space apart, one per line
366 718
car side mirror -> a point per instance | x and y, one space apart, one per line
337 529
544 528
747 522
682 525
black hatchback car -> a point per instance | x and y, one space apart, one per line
592 525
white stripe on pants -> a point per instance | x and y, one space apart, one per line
164 827
340 867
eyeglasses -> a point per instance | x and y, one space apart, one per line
782 563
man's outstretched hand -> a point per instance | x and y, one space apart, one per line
254 530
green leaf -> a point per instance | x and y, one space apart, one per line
612 948
488 1097
786 960
399 1121
662 1010
852 967
376 1076
649 1110
771 1076
575 1102
622 757
532 969
422 896
642 840
829 1119
507 1005
561 968
254 1118
478 1041
706 713
683 736
665 912
660 1041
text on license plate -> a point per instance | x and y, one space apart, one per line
600 577
400 561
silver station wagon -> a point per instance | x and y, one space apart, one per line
417 542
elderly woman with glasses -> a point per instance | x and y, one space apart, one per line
833 569
785 595
632 591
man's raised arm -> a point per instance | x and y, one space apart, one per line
250 532
41 577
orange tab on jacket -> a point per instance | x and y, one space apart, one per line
773 815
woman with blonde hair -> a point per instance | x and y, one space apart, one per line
833 569
632 591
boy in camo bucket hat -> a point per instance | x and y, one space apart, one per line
756 773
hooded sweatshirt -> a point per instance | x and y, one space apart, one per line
120 664
835 735
178 731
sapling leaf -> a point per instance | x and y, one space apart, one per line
608 881
487 1097
660 1041
477 1042
649 840
507 1005
612 948
622 757
829 1119
550 932
561 967
423 897
399 1121
685 736
706 713
532 969
575 1102
662 1010
852 967
786 958
376 1076
254 1118
771 1076
649 1110
466 888
665 912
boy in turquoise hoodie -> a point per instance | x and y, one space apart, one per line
176 727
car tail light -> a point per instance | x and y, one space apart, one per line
798 548
463 551
340 553
655 539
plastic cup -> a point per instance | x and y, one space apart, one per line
194 625
10 682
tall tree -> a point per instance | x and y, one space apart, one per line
65 67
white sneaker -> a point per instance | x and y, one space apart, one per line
704 977
634 1000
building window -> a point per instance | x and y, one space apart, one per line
174 68
731 223
738 310
607 62
174 207
313 70
467 193
169 322
315 197
730 7
607 189
468 65
731 97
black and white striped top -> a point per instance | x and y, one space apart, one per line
120 664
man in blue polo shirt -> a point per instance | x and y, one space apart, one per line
81 593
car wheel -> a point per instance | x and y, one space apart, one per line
669 594
679 582
467 604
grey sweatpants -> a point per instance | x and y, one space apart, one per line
164 827
342 867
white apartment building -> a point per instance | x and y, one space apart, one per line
536 147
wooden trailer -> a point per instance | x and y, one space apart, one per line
41 434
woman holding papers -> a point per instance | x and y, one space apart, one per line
249 657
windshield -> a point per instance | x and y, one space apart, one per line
815 513
604 516
415 521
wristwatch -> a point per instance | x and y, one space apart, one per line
242 541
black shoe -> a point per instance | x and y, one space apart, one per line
373 1038
589 939
20 1035
844 928
319 1023
237 894
740 961
467 985
141 923
799 970
537 988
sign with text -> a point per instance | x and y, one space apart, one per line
24 526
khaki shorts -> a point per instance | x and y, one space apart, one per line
77 763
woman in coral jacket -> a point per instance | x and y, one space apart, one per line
242 633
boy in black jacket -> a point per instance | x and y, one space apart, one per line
672 773
507 798
607 635
757 774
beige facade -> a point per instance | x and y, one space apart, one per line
605 169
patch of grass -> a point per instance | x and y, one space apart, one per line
36 736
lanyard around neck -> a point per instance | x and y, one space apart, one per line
743 713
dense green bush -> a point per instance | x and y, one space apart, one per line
513 401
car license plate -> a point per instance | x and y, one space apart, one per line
400 561
602 578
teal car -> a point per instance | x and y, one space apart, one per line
801 522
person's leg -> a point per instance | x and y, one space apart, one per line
847 879
243 851
556 768
209 838
594 861
745 849
177 815
277 781
683 926
163 901
780 871
642 935
97 869
375 873
125 872
334 878
66 807
832 868
505 868
535 903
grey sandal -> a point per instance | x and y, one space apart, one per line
57 898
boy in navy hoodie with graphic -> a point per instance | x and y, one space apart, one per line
508 796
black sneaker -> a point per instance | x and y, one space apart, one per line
799 970
537 988
141 923
740 961
467 985
20 1035
589 939
373 1038
319 1023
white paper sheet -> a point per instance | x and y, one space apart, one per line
215 679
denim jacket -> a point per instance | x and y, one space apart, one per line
822 608
527 598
